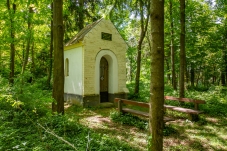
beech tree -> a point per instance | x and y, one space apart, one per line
143 31
58 74
174 82
156 121
12 35
182 48
51 49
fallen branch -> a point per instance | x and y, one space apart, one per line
52 133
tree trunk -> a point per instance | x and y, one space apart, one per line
223 67
12 46
214 76
174 82
131 67
33 59
143 27
192 76
81 15
58 74
168 69
25 59
138 67
182 48
156 122
51 50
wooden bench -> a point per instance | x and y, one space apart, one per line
193 113
122 109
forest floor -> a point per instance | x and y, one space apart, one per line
99 121
208 134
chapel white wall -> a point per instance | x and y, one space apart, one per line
74 82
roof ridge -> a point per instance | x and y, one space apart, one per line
81 34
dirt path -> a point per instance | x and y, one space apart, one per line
99 121
184 135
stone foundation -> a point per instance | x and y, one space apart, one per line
90 100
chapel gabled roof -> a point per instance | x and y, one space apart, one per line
80 35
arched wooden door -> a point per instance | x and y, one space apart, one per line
103 80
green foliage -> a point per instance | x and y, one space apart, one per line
129 119
143 95
28 124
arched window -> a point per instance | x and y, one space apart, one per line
66 67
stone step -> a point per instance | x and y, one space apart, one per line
106 104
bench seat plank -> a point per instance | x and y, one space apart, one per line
136 112
135 103
181 109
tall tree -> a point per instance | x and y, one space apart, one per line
182 48
143 30
58 74
29 37
174 83
156 121
12 35
51 49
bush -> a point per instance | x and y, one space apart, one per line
129 119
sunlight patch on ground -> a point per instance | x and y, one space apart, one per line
132 135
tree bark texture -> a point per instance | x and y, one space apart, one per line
192 75
174 82
29 37
58 74
156 122
51 50
168 68
81 15
182 48
33 59
143 28
12 45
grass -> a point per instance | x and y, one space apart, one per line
103 129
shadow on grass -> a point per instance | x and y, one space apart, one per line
98 120
207 134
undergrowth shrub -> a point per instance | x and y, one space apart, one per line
26 123
129 119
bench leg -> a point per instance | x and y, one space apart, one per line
193 117
120 106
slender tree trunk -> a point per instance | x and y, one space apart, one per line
168 69
131 72
51 50
192 76
58 74
25 59
174 82
222 78
33 59
214 76
138 66
143 28
223 68
12 45
182 48
156 122
81 14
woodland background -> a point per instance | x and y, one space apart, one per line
26 72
